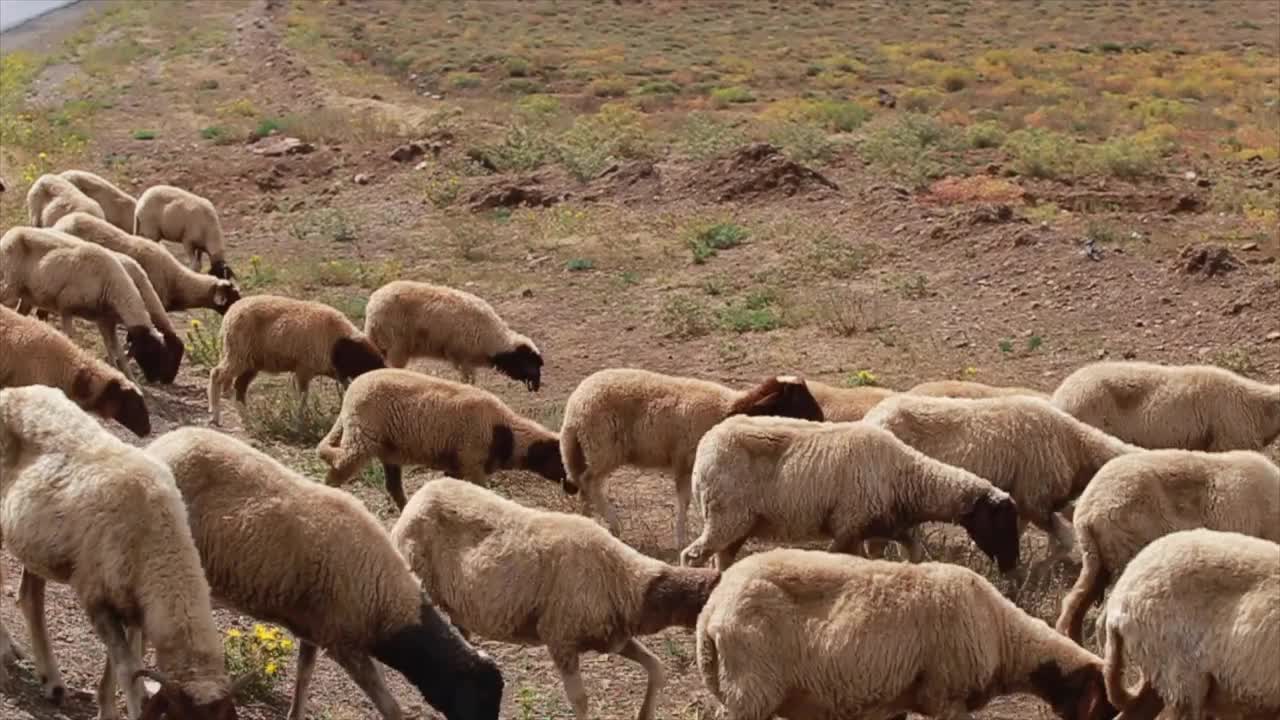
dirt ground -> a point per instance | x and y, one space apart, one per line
842 267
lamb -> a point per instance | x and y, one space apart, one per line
1138 498
117 205
287 550
972 390
55 271
81 508
177 287
403 417
1198 613
269 333
788 479
535 577
169 213
1192 407
408 319
52 196
32 353
846 404
808 634
1040 455
628 416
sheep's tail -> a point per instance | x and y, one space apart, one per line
575 460
1117 693
708 661
333 439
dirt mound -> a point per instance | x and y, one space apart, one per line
1165 201
634 181
1207 260
536 190
756 172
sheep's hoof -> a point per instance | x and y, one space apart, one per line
54 692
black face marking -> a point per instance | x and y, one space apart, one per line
993 525
522 365
544 458
151 354
353 358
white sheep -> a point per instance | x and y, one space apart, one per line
81 508
117 205
1197 612
972 390
1137 498
284 549
1191 407
52 196
535 577
810 634
166 212
846 404
798 480
403 417
178 287
628 416
32 353
274 334
407 319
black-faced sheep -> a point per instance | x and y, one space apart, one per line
178 287
534 577
52 196
117 205
284 549
797 480
269 333
1190 407
808 634
402 417
628 416
1197 612
1138 498
846 404
408 319
81 508
168 213
32 353
972 390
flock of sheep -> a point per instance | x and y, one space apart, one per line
1149 475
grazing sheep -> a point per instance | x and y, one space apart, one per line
269 333
57 272
798 480
81 508
1191 407
287 550
403 417
178 287
809 634
972 390
1198 613
32 353
535 577
628 416
155 310
846 404
408 319
168 213
52 196
117 205
1138 498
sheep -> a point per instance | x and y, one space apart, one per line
536 577
81 508
1137 498
269 333
32 353
846 404
117 205
788 479
55 271
628 416
287 550
972 390
408 319
403 417
178 287
1198 613
169 213
52 196
809 634
1040 455
1191 407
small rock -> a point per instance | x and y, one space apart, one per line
526 293
421 166
1139 323
960 344
1101 353
1129 354
283 146
898 230
1190 175
1249 247
408 152
1204 182
362 179
375 96
1236 307
1272 336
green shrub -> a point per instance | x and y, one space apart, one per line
1125 158
955 79
708 239
1041 153
703 136
802 143
910 148
987 134
204 344
657 87
144 134
757 312
463 80
595 141
516 67
725 96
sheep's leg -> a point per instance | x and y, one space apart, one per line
31 600
1088 589
123 662
8 651
467 374
725 557
719 535
591 487
302 384
193 258
65 321
684 494
302 685
112 343
393 479
214 392
566 662
369 678
846 544
637 653
241 387
1146 705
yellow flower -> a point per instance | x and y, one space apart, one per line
233 633
286 644
43 155
260 632
271 668
196 324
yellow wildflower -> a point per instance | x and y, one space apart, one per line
43 156
195 324
271 668
233 633
286 644
260 632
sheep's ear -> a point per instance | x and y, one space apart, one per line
81 387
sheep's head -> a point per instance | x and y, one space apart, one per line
781 396
123 402
478 696
523 364
176 702
220 269
353 357
176 348
223 296
676 596
147 347
544 458
1077 695
992 522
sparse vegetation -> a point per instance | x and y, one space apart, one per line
757 312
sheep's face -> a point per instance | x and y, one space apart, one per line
1078 695
479 696
523 364
222 270
175 702
176 348
993 525
352 358
124 404
544 459
224 295
783 397
150 352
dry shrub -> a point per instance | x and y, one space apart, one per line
977 188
